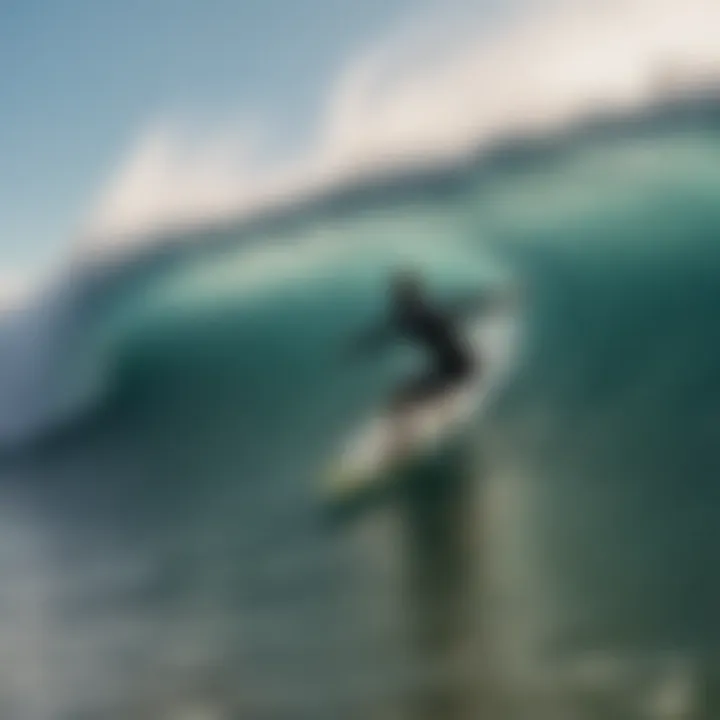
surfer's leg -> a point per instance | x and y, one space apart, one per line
455 376
431 385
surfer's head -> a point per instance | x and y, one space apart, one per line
406 287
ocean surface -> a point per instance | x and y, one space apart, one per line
164 549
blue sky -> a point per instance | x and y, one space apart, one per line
82 78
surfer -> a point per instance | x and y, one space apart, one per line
436 403
437 330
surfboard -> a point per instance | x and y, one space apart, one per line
388 446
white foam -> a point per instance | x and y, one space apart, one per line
389 108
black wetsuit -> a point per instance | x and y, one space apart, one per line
437 331
451 360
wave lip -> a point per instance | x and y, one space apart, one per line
448 84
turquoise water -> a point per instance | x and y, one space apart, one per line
172 540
